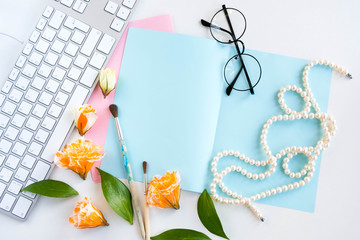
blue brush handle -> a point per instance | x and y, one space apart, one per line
132 188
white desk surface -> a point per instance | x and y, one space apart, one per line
327 29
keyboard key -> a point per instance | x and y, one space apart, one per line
41 24
40 171
106 44
25 136
42 46
117 24
5 174
21 174
45 98
35 58
22 206
73 23
97 60
123 13
29 194
21 61
42 136
25 107
111 7
74 73
8 108
64 124
61 98
80 61
58 46
52 86
19 149
78 37
11 133
12 161
18 120
35 148
79 6
57 19
27 49
7 86
38 83
16 95
22 83
45 70
28 161
64 34
48 11
129 3
14 73
55 110
90 42
34 36
89 76
3 120
7 202
59 73
29 70
5 145
71 49
67 3
15 187
48 34
31 95
51 59
39 110
49 123
32 123
67 86
65 61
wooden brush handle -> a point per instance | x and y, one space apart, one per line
146 219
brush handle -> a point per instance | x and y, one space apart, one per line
146 219
132 189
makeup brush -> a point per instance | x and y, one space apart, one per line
114 111
146 207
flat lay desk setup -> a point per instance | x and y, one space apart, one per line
198 118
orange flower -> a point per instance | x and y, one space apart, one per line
164 192
86 215
85 117
79 156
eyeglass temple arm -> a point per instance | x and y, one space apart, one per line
238 50
207 24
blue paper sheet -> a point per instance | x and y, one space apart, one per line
175 115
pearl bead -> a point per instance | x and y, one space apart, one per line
249 175
238 169
262 195
236 154
268 193
219 155
214 170
231 152
243 171
242 201
221 185
296 185
302 183
291 186
224 189
213 191
273 191
234 195
267 174
255 176
233 168
229 192
297 175
226 201
215 159
237 201
292 175
284 188
225 152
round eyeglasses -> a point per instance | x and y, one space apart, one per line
242 72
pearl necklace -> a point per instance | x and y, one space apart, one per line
327 124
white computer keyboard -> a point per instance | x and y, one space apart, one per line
56 70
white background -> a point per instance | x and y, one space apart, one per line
325 29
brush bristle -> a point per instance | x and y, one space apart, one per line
144 166
114 110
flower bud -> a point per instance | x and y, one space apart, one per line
85 117
106 81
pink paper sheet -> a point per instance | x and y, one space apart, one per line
98 132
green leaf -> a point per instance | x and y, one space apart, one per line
208 216
51 188
117 195
181 234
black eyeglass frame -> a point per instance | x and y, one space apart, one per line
240 53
